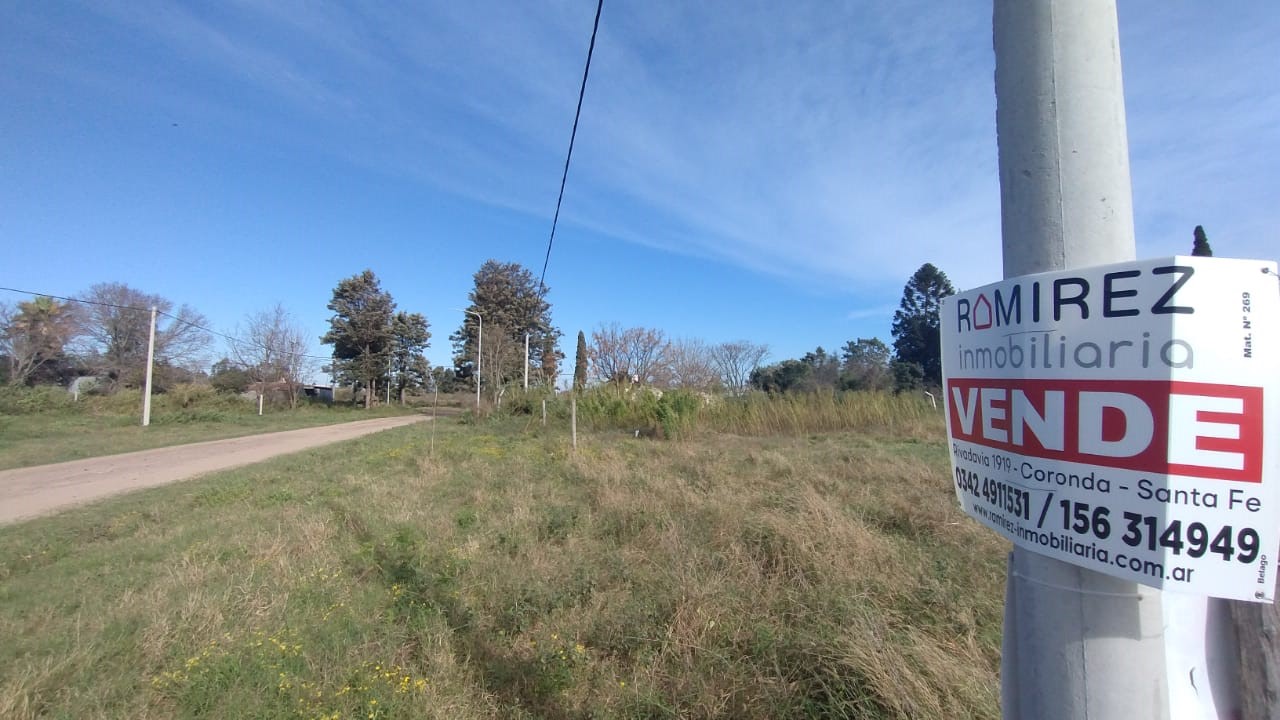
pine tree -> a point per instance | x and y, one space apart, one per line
507 296
917 336
580 363
410 338
360 330
1201 247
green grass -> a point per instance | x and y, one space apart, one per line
822 575
47 427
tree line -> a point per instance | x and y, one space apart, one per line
646 356
102 335
374 345
102 332
377 348
643 355
867 363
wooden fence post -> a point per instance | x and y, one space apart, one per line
1257 627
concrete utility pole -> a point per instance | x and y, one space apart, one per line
151 355
1077 643
526 362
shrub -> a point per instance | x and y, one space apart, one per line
120 402
626 409
187 394
678 412
22 400
521 402
230 380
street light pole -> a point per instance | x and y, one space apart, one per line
479 348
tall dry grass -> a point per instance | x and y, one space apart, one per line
682 414
797 413
821 575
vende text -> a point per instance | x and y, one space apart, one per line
1157 426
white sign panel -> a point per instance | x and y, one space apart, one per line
1123 418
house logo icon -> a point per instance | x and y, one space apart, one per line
981 313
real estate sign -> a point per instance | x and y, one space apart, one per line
1124 418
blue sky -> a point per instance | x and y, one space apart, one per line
760 170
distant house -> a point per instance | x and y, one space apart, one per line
279 391
86 384
318 393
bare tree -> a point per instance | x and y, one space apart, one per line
736 360
272 350
116 326
6 339
502 357
689 365
630 355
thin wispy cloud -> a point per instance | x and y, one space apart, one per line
828 148
773 142
1203 101
759 136
836 144
879 311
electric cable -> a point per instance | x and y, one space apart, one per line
168 315
542 286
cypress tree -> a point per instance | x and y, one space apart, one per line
580 363
1201 247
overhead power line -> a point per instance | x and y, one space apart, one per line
242 340
75 300
168 315
542 285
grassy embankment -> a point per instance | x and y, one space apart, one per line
45 425
804 574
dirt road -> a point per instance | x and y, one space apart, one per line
27 492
